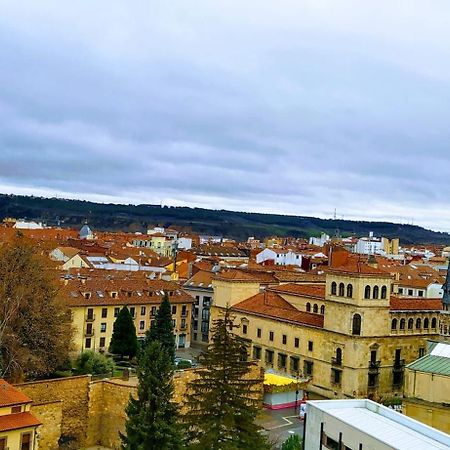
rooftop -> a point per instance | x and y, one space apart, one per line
11 396
383 424
437 361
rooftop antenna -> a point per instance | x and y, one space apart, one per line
334 215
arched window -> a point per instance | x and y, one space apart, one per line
402 324
376 291
322 309
410 323
333 288
315 308
419 323
338 355
356 325
433 322
341 289
308 307
426 323
367 292
383 292
394 324
349 290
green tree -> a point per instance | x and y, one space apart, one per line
124 339
93 363
222 403
161 329
292 443
152 416
35 324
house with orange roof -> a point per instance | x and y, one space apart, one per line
18 426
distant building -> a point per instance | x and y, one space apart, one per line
279 257
372 245
364 424
28 225
427 387
86 232
319 241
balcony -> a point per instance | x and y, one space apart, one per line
374 366
399 365
90 318
336 361
183 327
89 333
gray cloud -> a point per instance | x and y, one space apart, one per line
296 107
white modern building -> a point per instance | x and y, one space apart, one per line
279 257
319 241
366 425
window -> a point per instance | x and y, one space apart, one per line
420 293
367 292
174 310
104 313
295 363
383 292
315 308
282 358
258 332
376 292
103 327
256 352
410 323
174 322
133 311
153 311
143 310
336 376
87 343
244 329
284 339
373 356
356 325
195 336
350 290
102 342
206 302
433 322
296 342
308 368
183 310
90 313
400 290
333 288
16 409
308 307
25 441
402 324
310 346
269 356
204 328
410 292
183 324
419 323
421 352
116 312
341 289
338 356
322 309
394 324
142 325
3 444
426 323
205 314
271 336
89 329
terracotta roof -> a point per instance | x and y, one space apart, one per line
359 266
302 290
245 276
271 305
415 304
9 395
18 421
202 279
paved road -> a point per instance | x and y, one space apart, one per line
279 425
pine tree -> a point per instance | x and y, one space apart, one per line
222 403
161 329
152 416
124 339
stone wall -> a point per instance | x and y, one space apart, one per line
73 393
49 433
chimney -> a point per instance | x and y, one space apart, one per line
372 262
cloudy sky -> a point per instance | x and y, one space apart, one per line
296 107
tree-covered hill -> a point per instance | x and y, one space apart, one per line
239 225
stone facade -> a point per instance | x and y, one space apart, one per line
49 433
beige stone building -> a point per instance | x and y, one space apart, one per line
349 334
427 387
95 301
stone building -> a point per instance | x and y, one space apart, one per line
350 335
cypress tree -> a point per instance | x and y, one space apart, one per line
161 329
222 403
124 339
152 416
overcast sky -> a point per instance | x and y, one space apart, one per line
295 107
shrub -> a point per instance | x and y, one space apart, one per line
93 363
292 443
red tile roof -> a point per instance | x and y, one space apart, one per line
416 304
18 421
271 305
244 276
302 290
9 395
